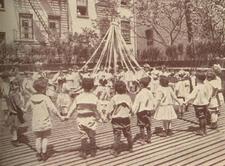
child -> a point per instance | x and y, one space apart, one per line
16 105
120 110
200 96
164 109
87 116
143 107
213 107
4 95
63 101
40 105
103 94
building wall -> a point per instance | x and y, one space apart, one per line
13 8
8 20
69 19
142 41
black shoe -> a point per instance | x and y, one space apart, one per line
39 157
200 132
214 126
114 153
148 141
169 132
93 153
83 155
15 143
162 134
44 156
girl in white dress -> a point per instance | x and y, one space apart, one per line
164 109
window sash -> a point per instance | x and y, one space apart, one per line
83 3
2 4
125 30
26 26
2 36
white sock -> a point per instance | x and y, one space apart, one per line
38 145
44 145
14 134
214 117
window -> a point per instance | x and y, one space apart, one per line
124 2
26 26
149 36
125 30
54 24
2 4
82 8
104 25
2 37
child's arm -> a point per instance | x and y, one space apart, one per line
27 107
71 109
136 104
191 96
53 108
175 97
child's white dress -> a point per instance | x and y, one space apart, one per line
165 111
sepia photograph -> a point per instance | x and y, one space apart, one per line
112 82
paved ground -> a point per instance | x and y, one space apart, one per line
183 148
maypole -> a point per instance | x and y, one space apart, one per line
114 50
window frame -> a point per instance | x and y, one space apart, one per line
4 38
124 35
124 5
55 20
150 38
87 12
23 17
3 3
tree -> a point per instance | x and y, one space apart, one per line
166 18
209 20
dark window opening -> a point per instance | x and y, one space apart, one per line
124 2
2 4
82 7
2 37
149 36
26 26
125 30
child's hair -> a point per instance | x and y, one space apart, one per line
103 82
15 84
87 84
40 85
201 76
145 81
5 75
210 75
120 87
164 81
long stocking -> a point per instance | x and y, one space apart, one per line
38 144
44 145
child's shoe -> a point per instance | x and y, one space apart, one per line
114 153
93 153
200 132
15 143
163 134
83 155
169 132
44 156
214 125
39 157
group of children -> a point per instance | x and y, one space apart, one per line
156 99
